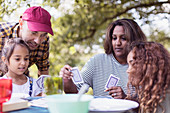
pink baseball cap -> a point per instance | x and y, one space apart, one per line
38 19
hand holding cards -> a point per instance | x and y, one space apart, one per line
112 81
77 78
40 81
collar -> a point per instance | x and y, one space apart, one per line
114 59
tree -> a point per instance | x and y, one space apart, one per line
84 25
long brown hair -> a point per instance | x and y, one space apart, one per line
151 62
132 32
8 50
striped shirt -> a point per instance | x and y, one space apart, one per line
97 71
39 56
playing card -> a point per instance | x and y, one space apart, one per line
112 81
77 78
40 81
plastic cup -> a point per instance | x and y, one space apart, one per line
53 85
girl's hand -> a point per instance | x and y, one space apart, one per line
116 92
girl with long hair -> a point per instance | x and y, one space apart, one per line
149 73
14 62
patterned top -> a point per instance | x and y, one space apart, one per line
97 71
38 56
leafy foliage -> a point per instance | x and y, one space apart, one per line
8 6
84 25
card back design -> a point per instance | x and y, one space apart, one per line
40 81
77 78
112 81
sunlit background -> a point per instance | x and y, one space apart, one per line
79 25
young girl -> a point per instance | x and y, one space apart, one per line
15 61
149 73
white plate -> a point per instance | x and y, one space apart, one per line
105 104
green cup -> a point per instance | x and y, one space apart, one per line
53 85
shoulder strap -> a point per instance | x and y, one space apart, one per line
31 84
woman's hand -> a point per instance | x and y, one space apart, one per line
69 86
116 92
65 72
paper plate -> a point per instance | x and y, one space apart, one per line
105 104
